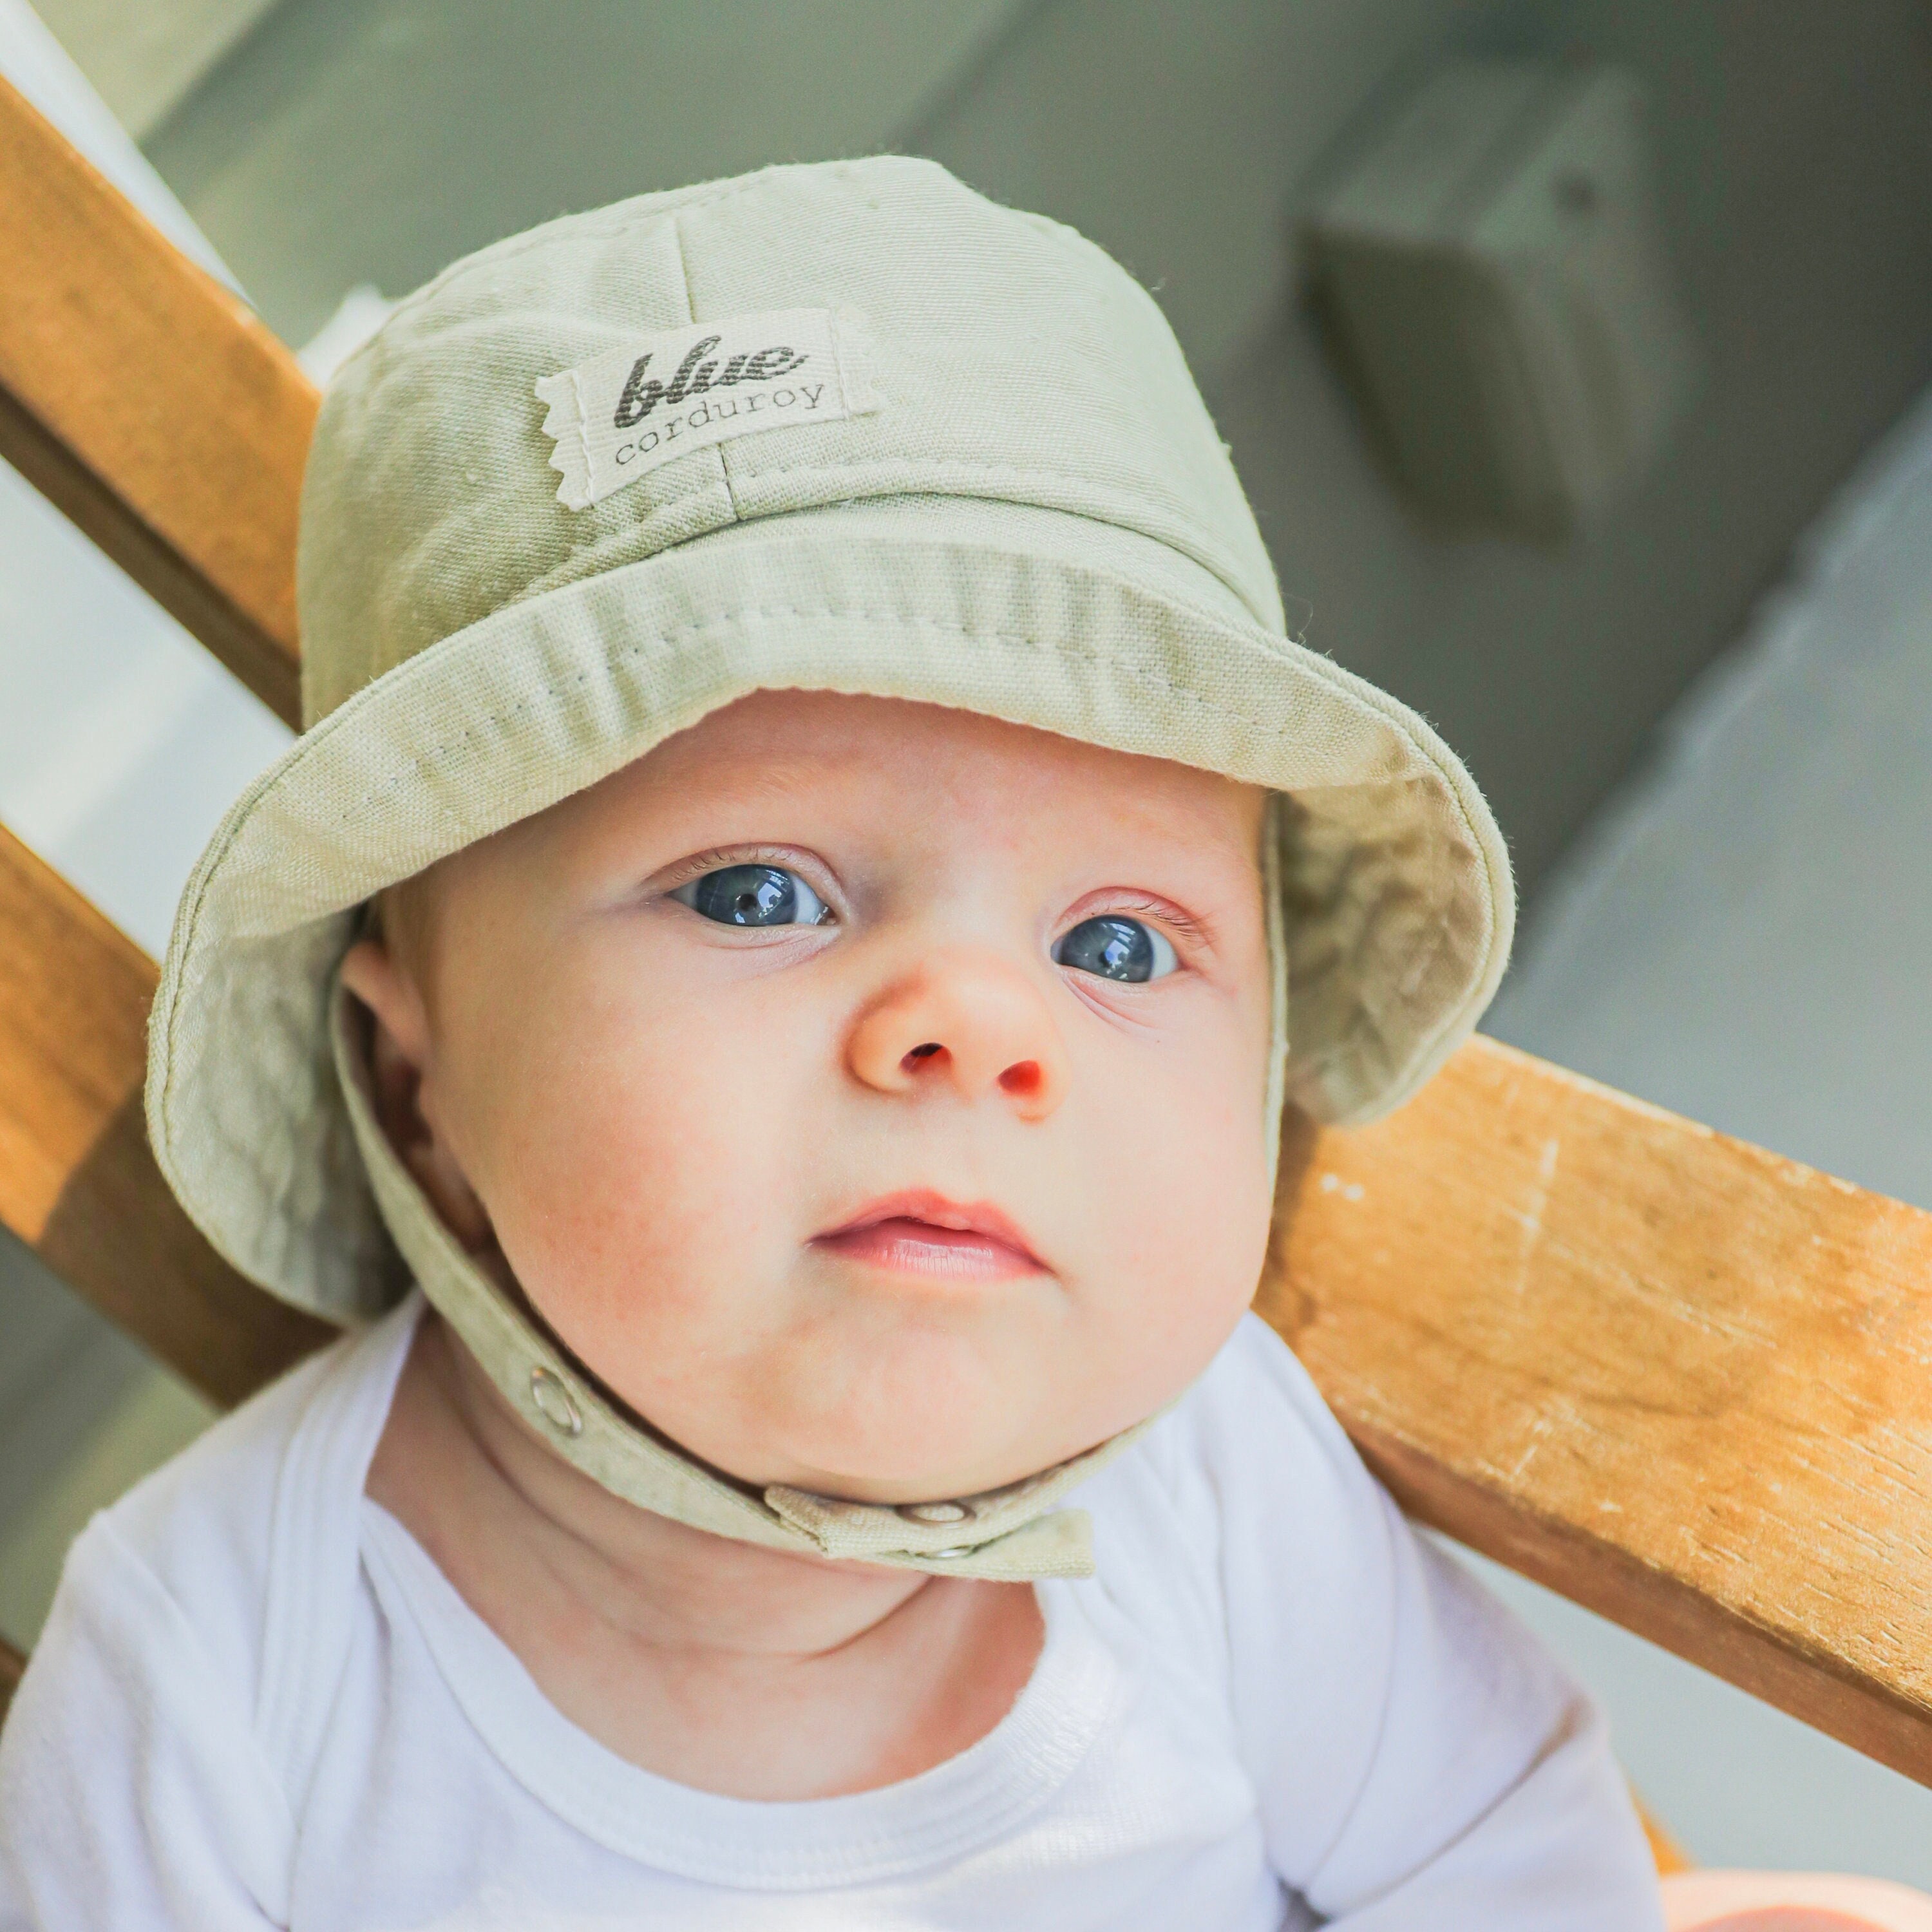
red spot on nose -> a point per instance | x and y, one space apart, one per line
1022 1078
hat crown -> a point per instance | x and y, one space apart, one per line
1012 360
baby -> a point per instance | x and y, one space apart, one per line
763 1000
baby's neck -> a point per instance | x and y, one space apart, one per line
724 1665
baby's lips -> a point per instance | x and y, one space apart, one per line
925 1207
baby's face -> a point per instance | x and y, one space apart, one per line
871 1094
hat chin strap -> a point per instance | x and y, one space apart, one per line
1012 1535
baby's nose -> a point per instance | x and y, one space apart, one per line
972 1023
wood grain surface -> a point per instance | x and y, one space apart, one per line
150 405
78 1183
11 1665
1678 1379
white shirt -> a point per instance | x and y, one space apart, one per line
257 1702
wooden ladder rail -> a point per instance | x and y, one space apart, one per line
1679 1379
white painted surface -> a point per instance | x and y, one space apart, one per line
121 741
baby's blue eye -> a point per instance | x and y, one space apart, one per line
1113 948
753 895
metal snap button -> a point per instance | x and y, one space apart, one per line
555 1403
935 1513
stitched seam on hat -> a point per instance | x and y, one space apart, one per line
1220 565
721 469
1349 687
583 564
1345 684
636 647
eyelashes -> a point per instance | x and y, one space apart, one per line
1124 943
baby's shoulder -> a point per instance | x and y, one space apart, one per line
1248 1473
263 1505
1255 1376
1253 1425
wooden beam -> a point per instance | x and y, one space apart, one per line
11 1665
150 405
78 1184
1675 1378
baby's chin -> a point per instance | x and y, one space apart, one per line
908 1433
919 1468
882 1397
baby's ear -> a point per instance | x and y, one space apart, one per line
389 989
399 1045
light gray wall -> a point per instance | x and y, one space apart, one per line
1174 134
350 141
1795 142
1795 145
372 140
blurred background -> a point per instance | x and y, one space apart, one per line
1651 544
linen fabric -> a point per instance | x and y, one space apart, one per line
1033 518
257 1702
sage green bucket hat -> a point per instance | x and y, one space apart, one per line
847 427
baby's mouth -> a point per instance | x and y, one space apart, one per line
921 1233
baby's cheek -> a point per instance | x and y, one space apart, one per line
1188 1202
634 1214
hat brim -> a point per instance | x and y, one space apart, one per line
1398 906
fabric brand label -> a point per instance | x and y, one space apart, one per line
626 412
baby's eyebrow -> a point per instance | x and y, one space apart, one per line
782 774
